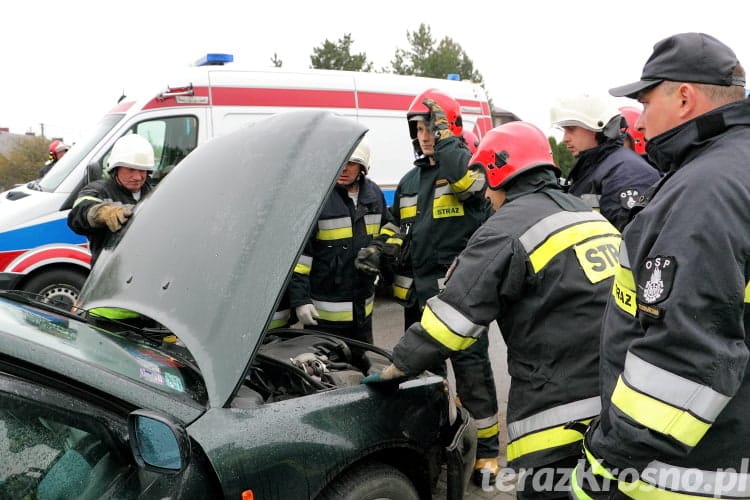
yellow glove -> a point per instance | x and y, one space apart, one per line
113 215
438 120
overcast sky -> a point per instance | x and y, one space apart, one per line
66 63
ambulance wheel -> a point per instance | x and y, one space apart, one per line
59 287
371 481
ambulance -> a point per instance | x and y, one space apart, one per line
40 254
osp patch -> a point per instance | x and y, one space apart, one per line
656 279
629 197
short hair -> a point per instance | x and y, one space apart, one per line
718 94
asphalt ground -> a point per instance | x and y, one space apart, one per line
388 327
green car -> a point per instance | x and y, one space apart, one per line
195 398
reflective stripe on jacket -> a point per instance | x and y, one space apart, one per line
542 266
325 274
437 208
675 347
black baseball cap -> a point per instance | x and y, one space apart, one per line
686 57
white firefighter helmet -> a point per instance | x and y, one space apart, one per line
361 155
584 110
132 151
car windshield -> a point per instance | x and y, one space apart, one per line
167 368
72 158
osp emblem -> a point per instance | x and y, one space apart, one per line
629 198
656 278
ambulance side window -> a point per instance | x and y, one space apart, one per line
173 138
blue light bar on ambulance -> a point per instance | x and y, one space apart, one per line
214 60
453 76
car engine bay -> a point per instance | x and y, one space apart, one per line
293 363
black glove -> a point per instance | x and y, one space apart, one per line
368 258
438 121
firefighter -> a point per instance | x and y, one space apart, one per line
57 150
438 204
327 291
634 138
542 267
104 206
607 176
675 382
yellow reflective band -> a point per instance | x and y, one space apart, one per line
387 230
596 465
334 234
659 416
335 315
598 257
373 229
400 292
565 239
623 294
368 307
464 183
577 491
440 332
278 323
113 313
408 212
86 198
447 206
747 293
543 440
302 269
394 241
488 432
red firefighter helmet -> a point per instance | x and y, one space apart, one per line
471 140
631 116
53 146
510 149
419 112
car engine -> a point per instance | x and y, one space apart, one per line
293 363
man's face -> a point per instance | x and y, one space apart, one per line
131 178
578 139
495 197
349 174
661 108
426 138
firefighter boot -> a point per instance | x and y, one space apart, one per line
485 471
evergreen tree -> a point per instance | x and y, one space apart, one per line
338 55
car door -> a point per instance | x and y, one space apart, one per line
57 445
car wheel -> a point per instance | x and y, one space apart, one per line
59 287
370 482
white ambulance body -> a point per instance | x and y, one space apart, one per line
40 254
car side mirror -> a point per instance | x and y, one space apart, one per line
158 443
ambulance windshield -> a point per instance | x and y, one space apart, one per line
80 150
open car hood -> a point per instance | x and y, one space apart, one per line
208 253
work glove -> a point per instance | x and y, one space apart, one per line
391 374
307 314
438 121
368 258
112 215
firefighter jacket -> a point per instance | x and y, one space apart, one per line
541 266
674 369
325 274
102 190
611 178
436 208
